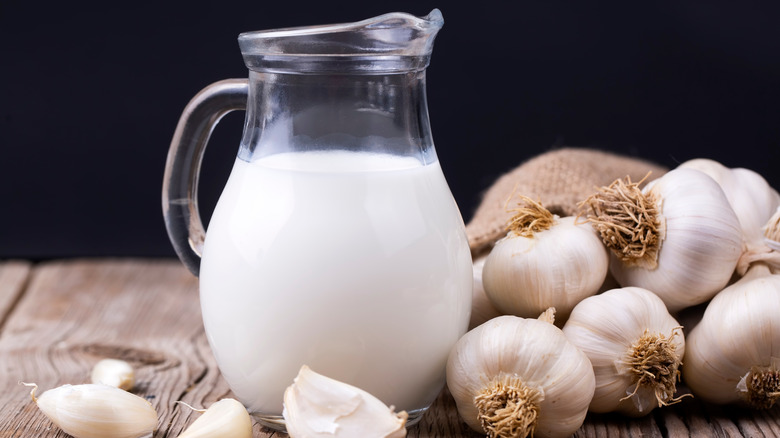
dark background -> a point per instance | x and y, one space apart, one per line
90 94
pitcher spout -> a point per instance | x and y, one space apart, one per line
390 42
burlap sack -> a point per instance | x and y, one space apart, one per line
560 179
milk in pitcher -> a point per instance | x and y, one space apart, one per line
343 261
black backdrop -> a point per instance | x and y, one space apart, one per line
90 95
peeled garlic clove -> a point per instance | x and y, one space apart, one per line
227 418
318 406
114 372
97 411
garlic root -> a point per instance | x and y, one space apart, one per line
761 387
508 408
530 218
628 221
654 362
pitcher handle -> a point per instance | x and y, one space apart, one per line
182 168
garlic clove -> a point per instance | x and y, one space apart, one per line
97 411
318 406
227 418
114 372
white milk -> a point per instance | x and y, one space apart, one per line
355 264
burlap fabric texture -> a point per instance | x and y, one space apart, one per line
560 179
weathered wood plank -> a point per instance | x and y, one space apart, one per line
74 313
13 278
64 316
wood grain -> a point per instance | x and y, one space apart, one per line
13 279
59 318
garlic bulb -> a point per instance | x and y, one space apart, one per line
515 377
635 346
678 237
114 372
732 354
544 261
481 307
97 411
752 198
227 418
318 406
772 231
767 253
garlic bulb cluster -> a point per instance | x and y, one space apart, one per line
544 261
516 377
732 354
318 406
635 347
678 237
114 372
227 418
749 194
97 411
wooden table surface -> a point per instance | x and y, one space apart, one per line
58 318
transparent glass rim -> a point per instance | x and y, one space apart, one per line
395 33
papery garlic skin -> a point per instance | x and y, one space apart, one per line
700 246
316 406
749 194
607 328
482 309
227 418
557 267
114 372
97 411
530 351
739 331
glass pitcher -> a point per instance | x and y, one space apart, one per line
336 242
